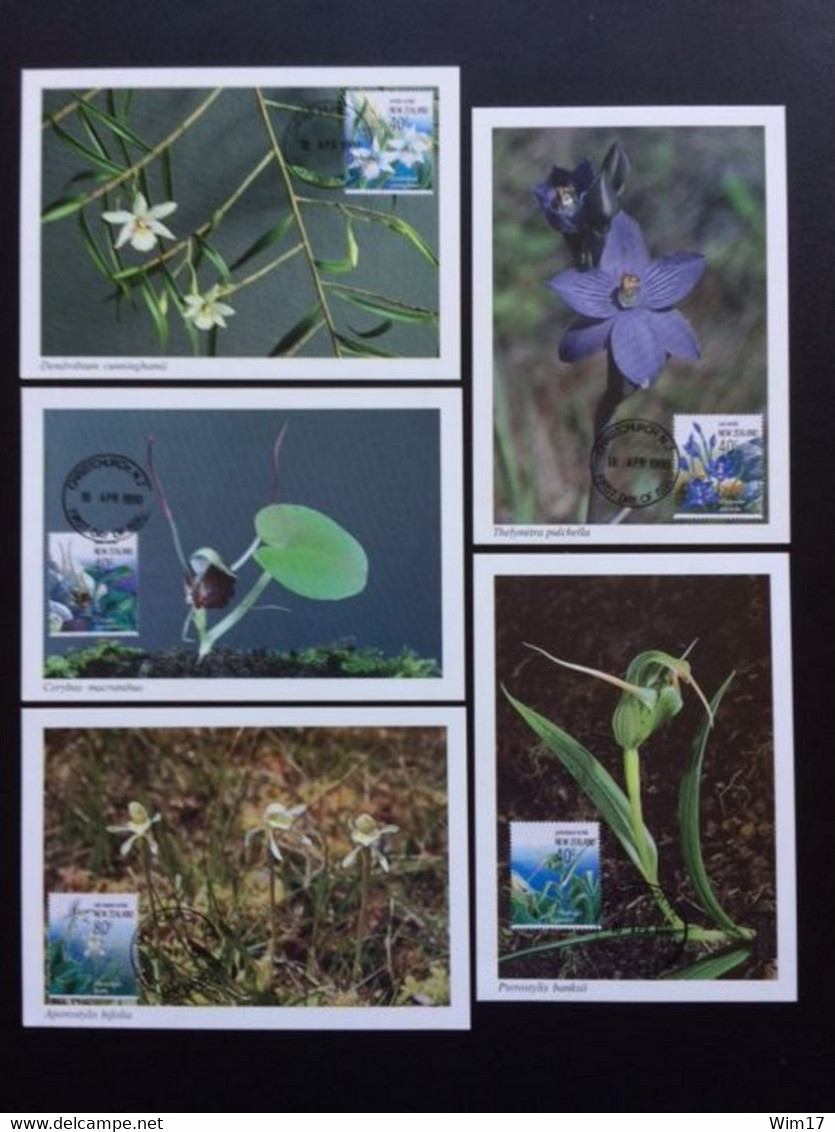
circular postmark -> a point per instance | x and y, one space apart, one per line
315 137
106 497
634 463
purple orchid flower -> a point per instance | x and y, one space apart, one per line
626 303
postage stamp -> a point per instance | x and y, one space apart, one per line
390 141
90 947
554 875
93 587
721 466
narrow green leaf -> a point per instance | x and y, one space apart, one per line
350 259
385 308
713 966
362 349
215 258
114 125
95 159
308 553
158 316
91 132
689 824
375 331
65 206
403 228
310 177
271 236
593 779
299 333
167 174
93 250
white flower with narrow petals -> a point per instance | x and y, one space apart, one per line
141 225
139 828
206 311
371 161
279 819
366 834
410 147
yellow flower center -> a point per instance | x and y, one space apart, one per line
630 285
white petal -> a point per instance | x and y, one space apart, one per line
120 217
124 235
143 241
160 229
160 210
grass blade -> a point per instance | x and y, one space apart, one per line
689 824
95 159
713 966
114 125
593 779
64 206
215 258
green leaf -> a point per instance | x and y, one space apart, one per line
385 308
64 206
114 125
362 349
312 178
88 154
594 780
309 553
350 260
215 258
688 817
375 331
405 229
95 253
713 966
298 334
270 237
158 315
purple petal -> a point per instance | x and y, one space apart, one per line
625 248
587 292
584 339
638 353
668 280
675 334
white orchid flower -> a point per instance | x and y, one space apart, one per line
206 311
371 161
410 147
139 828
141 225
279 819
366 834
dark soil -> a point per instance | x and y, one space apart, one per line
603 622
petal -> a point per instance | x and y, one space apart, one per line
349 860
587 292
160 229
120 217
584 339
159 210
625 248
675 334
142 241
140 205
668 280
124 235
274 849
126 846
638 353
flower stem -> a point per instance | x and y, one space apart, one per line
365 881
210 639
632 774
272 921
616 391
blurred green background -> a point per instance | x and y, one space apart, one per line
699 189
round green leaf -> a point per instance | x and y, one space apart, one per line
309 553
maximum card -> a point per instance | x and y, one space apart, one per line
239 224
631 325
293 545
242 869
634 804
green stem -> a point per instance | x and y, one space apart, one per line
689 933
210 639
300 225
365 880
272 920
649 868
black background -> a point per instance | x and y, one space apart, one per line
527 1056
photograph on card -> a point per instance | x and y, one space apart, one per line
639 784
287 219
295 545
249 867
633 363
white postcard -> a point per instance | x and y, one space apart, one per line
630 326
242 545
237 868
240 224
634 783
